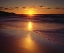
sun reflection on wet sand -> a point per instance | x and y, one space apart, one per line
29 44
30 26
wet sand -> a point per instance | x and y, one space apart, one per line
14 40
56 36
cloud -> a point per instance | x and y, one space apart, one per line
57 8
41 6
6 8
62 8
24 7
16 8
44 7
48 8
1 8
9 8
32 7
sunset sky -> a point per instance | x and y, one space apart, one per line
35 6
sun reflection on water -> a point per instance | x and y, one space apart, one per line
30 26
28 43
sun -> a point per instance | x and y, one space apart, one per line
30 12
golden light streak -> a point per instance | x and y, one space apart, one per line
29 26
28 43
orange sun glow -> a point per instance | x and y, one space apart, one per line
30 12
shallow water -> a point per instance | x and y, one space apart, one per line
35 25
19 37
